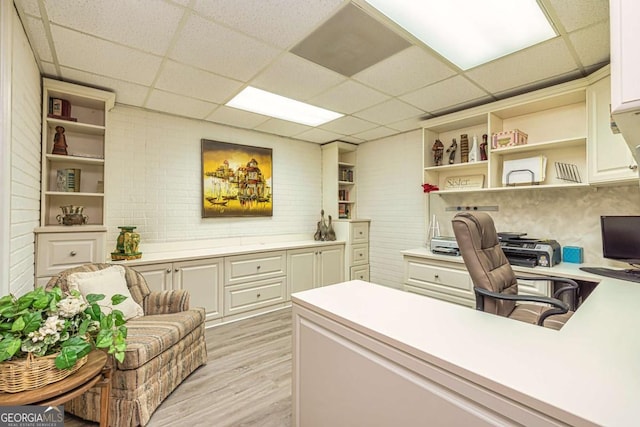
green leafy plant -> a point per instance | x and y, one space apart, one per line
44 322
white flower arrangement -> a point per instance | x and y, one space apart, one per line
47 322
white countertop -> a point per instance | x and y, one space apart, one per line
589 370
182 254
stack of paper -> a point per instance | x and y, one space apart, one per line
524 171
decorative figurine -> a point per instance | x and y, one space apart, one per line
437 149
59 142
473 152
452 151
464 148
483 147
324 232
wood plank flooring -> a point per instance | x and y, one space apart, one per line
246 382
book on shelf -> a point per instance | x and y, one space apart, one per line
343 195
68 180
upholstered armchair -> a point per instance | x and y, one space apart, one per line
164 345
496 285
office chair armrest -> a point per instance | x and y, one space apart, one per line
572 285
559 307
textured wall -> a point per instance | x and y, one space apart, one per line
570 216
153 179
26 128
389 178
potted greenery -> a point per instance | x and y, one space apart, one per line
43 323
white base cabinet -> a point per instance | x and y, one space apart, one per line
356 235
58 251
202 278
315 267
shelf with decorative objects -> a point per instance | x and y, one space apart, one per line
550 138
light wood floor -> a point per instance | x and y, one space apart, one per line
246 382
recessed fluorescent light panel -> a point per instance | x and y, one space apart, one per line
270 104
470 32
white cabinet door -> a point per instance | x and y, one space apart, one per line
302 269
203 280
610 159
331 265
158 276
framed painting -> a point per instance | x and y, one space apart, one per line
236 180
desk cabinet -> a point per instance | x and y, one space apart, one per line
356 235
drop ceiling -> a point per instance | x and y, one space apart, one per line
189 57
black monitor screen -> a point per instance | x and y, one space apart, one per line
621 238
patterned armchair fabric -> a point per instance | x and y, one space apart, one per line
163 347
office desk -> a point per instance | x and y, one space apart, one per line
367 355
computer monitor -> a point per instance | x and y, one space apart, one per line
621 238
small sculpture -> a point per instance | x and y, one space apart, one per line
464 148
437 149
483 147
452 151
324 232
474 153
59 142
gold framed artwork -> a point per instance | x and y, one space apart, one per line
236 180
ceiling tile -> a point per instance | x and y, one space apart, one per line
185 80
318 135
379 132
148 25
296 78
350 41
236 117
444 94
212 47
409 124
591 47
38 38
389 111
539 62
87 53
348 97
282 127
411 69
126 93
348 125
575 14
280 23
179 105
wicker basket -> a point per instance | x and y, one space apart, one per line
33 372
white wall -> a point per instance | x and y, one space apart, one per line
389 177
26 126
153 180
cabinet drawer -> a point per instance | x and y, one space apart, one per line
456 299
359 254
247 268
58 251
250 296
439 279
360 272
534 287
359 232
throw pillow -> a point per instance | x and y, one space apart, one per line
109 281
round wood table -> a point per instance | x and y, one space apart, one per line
93 373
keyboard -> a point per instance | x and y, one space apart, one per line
630 275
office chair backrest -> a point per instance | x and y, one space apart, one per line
486 262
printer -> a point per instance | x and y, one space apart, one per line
529 252
444 245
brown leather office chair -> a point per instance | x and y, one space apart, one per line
495 284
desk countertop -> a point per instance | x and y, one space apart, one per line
589 370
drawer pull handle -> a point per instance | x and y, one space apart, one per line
73 253
258 295
258 268
435 276
168 270
176 270
633 167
